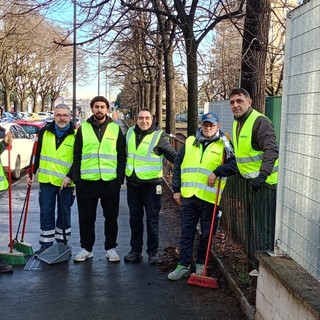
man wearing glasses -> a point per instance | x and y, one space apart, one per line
204 157
53 161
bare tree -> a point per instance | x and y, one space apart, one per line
254 50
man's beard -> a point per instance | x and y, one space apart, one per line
99 116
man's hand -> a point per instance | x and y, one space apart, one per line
211 179
8 138
30 179
177 197
66 181
257 182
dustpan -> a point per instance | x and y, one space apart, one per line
58 252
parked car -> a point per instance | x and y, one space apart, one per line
21 151
7 117
31 127
45 116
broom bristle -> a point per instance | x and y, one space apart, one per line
23 247
203 281
13 258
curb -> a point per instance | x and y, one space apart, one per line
246 307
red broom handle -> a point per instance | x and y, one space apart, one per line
9 147
211 229
30 173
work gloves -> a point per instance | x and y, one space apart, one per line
257 182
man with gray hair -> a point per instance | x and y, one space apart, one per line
53 161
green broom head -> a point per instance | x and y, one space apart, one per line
23 247
13 258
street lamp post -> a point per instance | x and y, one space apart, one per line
74 89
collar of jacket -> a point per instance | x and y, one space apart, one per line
51 127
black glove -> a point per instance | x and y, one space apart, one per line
257 182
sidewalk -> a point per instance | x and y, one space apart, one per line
98 289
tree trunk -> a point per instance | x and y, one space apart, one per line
254 50
192 76
159 84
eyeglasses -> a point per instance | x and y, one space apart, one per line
62 115
208 125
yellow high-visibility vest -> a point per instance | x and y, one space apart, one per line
3 179
143 160
249 160
99 159
55 163
196 167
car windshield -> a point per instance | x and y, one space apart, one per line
30 129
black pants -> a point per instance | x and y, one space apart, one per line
88 195
140 199
194 210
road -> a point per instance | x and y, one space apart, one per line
98 289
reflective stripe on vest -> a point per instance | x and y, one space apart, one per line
249 160
99 159
143 160
196 167
3 180
55 163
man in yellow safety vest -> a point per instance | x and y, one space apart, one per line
53 163
204 157
7 140
99 164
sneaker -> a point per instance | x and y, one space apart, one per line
4 267
199 269
112 255
42 248
153 257
83 255
133 256
179 273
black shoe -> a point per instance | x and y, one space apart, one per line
4 267
153 258
42 248
133 256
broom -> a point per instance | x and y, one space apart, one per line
203 280
12 258
21 245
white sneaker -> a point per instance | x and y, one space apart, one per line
112 255
83 255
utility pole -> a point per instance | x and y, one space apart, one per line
74 89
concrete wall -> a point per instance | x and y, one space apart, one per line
298 209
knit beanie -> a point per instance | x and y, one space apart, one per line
101 99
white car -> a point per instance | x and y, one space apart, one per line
20 154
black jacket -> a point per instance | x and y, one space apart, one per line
263 139
162 148
51 127
99 130
228 169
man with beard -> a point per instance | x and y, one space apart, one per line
53 161
99 163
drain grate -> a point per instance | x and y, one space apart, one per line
33 264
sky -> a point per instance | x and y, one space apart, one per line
63 15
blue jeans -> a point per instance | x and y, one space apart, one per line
140 199
192 210
50 228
